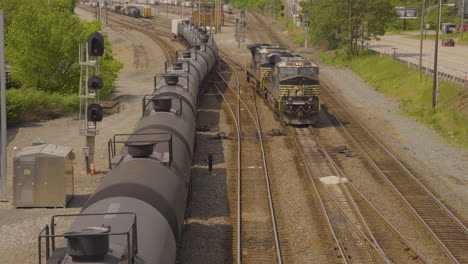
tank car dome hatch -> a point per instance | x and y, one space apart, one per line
171 79
162 105
140 149
88 244
177 65
204 38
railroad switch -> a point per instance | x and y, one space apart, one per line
344 150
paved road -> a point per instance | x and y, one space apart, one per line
452 60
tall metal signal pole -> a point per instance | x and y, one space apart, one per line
90 110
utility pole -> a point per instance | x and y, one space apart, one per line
462 14
3 117
435 85
199 13
421 40
306 27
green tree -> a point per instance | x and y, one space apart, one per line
42 48
42 45
348 23
8 7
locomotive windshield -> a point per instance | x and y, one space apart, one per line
308 70
288 70
301 70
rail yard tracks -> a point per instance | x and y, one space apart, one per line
360 231
445 227
257 239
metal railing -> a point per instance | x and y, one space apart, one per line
131 235
428 71
112 148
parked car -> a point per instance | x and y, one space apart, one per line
448 42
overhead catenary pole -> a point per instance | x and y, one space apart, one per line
3 117
421 40
435 85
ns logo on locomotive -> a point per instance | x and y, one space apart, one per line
136 214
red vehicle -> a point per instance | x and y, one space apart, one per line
448 42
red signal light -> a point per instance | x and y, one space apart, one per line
95 82
95 45
95 113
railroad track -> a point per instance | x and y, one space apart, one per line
351 238
144 27
389 244
273 37
446 228
257 239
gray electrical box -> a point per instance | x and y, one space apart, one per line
43 176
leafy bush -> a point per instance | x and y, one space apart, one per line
32 104
42 50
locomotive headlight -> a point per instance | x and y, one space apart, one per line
290 99
310 99
299 93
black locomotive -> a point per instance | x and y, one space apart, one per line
287 81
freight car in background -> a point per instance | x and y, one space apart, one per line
132 10
136 214
287 81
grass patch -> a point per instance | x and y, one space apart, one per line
298 37
395 80
30 104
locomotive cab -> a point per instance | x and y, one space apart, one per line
297 90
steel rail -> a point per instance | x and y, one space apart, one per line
383 219
344 255
340 173
423 187
390 183
269 32
371 239
267 178
239 170
275 38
